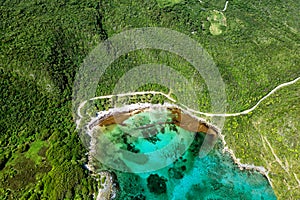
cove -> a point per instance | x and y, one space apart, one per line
164 161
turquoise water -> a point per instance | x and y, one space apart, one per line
188 176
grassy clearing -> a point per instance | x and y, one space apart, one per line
217 22
167 3
33 152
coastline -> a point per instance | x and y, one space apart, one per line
113 116
118 115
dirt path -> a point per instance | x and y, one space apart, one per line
189 109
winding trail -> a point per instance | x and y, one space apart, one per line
123 95
225 7
248 110
189 109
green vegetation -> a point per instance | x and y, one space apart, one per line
244 54
43 44
41 154
167 3
269 137
36 151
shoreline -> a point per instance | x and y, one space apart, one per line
118 115
110 117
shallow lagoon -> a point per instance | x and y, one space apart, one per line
180 173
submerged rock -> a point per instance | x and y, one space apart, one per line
157 184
